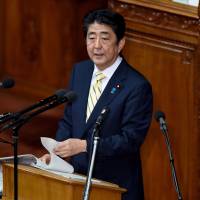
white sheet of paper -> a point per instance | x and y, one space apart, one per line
56 163
49 143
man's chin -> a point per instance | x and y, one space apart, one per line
98 62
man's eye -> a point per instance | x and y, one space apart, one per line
105 38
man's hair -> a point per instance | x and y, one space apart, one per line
107 17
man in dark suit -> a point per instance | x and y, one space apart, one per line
124 91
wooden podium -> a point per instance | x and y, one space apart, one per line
36 184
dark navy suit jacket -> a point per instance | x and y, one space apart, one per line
129 97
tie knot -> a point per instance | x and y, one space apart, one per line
99 76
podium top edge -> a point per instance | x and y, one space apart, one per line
60 178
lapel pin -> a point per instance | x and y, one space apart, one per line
113 90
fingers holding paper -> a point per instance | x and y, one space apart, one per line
46 158
70 147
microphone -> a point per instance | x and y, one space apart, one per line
4 116
102 116
21 120
160 117
10 116
100 120
67 97
96 130
7 83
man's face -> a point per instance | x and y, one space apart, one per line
102 45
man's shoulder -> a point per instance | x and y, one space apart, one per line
83 63
134 77
134 73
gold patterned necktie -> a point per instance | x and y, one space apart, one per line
95 93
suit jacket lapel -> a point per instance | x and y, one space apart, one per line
83 95
112 89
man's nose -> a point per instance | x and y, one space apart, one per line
97 43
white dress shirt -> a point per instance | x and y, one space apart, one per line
108 72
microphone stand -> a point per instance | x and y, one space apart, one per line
15 137
15 150
163 128
16 125
96 138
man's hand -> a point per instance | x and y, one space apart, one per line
70 147
45 158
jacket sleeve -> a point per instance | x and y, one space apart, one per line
64 130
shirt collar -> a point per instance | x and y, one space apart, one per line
109 71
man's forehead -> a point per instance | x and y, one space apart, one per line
99 28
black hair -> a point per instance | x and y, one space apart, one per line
108 17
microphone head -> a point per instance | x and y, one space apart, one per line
104 111
71 96
158 115
60 93
8 83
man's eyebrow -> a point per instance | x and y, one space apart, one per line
103 32
90 33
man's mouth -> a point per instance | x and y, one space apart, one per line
98 55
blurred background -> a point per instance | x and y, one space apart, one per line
40 40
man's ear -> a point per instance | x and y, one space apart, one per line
121 44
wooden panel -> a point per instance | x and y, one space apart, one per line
1 37
43 40
171 87
39 42
165 48
53 186
166 5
